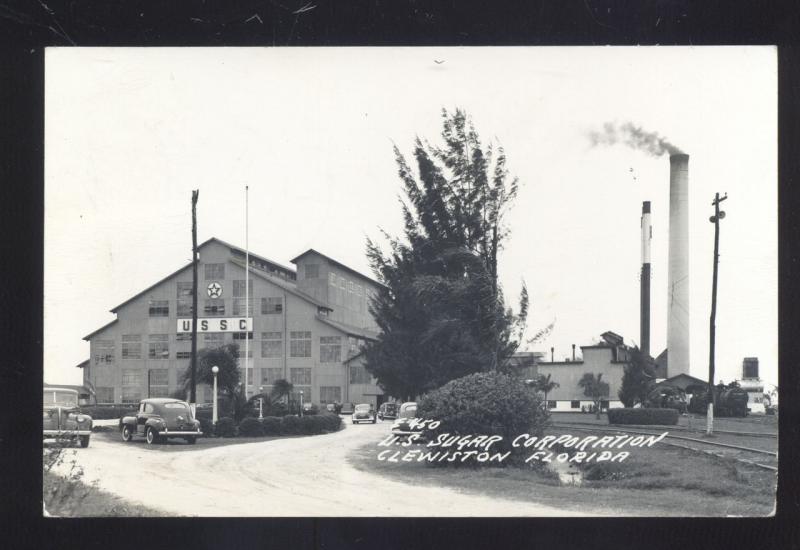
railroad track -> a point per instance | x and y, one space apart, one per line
694 444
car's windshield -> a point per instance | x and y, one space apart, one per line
63 398
361 408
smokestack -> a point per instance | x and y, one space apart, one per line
678 273
644 310
573 352
552 350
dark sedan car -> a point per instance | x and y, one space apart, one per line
388 410
160 418
364 413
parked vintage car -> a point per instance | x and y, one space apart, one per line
347 408
402 426
62 417
160 418
364 413
387 410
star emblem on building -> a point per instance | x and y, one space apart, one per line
214 290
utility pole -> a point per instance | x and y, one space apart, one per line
195 259
718 215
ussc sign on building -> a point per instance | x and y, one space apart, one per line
306 325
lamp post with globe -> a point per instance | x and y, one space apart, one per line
261 402
215 370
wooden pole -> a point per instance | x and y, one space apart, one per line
193 369
712 328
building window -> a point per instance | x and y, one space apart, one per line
131 377
575 404
159 383
104 394
330 349
240 354
551 404
249 372
241 336
183 355
215 271
215 307
239 307
271 375
271 344
184 307
332 279
359 375
159 308
353 346
184 337
238 288
103 352
271 306
131 394
312 271
300 344
213 339
330 394
131 346
185 291
158 346
300 377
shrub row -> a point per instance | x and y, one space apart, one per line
108 412
273 425
667 417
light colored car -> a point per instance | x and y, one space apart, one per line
364 413
161 418
402 426
62 417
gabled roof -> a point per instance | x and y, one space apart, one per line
201 245
349 329
337 263
82 364
288 287
249 253
88 336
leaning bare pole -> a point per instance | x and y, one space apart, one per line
193 383
718 215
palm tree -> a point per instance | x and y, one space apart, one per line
545 385
594 387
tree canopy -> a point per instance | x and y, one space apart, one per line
638 376
441 312
226 358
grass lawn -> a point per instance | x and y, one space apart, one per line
657 481
73 498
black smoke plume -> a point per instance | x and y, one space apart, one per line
634 137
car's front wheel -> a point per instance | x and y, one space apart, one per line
191 440
127 434
84 441
151 435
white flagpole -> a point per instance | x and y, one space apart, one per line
246 289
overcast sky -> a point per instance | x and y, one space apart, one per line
130 132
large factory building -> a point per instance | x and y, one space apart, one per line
305 325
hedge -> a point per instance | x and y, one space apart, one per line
108 412
226 427
487 403
251 427
667 417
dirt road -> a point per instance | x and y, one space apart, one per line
303 476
